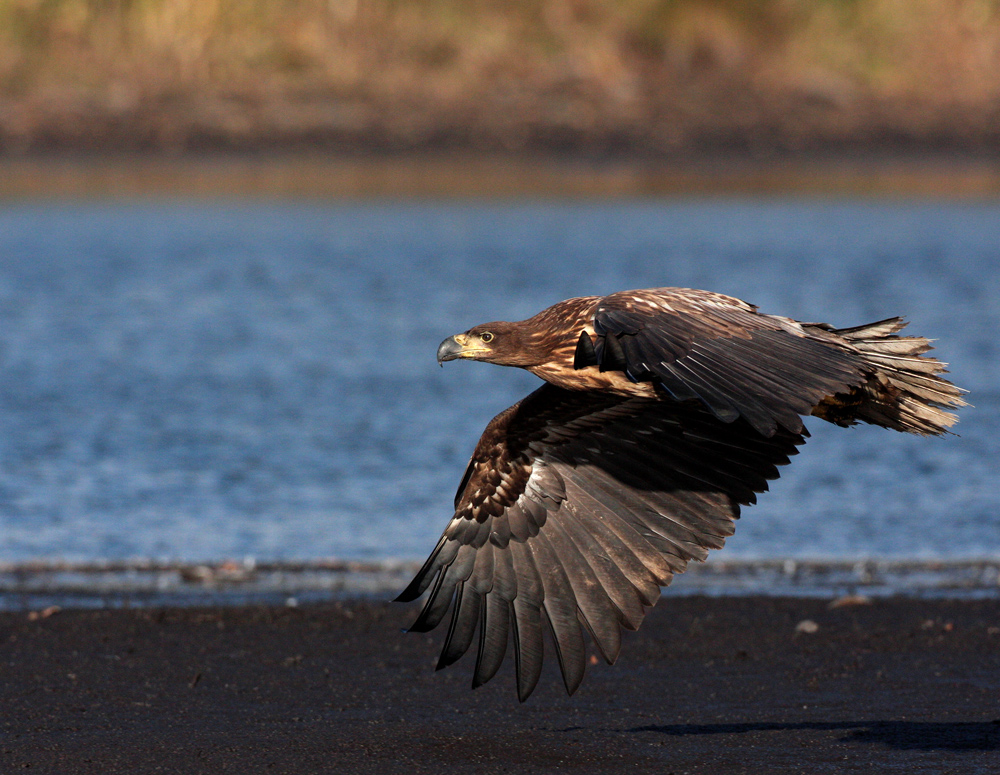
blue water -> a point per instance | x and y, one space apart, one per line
206 381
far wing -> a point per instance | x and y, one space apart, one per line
722 352
582 506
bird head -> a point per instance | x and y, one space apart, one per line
502 343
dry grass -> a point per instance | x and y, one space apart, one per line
654 74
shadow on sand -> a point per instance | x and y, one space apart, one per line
902 735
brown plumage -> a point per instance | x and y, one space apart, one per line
664 411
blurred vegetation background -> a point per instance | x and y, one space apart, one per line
660 77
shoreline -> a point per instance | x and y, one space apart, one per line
707 685
315 175
145 584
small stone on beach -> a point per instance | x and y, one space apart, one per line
45 613
848 600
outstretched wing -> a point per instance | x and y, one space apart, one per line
581 506
721 351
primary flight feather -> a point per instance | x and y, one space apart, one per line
664 411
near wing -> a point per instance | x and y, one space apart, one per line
722 352
583 505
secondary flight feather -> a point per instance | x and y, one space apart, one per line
664 411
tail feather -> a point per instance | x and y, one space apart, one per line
904 390
878 329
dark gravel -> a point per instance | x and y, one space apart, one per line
709 685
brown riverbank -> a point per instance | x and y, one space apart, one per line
708 685
664 80
314 175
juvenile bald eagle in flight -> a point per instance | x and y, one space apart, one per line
663 411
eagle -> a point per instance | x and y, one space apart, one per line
662 412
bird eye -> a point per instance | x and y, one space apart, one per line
486 337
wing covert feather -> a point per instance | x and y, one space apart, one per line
723 353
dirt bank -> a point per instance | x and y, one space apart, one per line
598 77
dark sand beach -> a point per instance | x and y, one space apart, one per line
708 685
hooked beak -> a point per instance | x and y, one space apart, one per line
449 350
459 346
